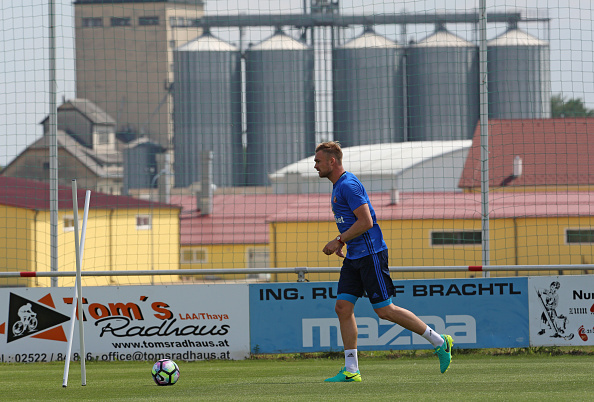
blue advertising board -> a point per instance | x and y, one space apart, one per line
478 313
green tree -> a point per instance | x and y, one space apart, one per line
569 108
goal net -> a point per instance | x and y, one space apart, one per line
195 124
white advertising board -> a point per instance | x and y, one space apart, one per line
561 310
144 323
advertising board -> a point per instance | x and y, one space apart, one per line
561 310
478 313
184 322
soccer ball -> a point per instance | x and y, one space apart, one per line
165 372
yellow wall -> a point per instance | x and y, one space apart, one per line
112 243
300 244
522 241
542 241
17 241
222 256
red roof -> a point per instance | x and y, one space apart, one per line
554 152
457 205
244 219
237 218
32 194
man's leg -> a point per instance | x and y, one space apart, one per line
408 320
403 317
345 310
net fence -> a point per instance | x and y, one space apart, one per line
194 124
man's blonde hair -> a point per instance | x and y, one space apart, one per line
331 148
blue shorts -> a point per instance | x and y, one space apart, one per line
370 275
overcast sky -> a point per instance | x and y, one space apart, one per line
24 56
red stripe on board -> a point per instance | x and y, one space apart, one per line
28 274
475 268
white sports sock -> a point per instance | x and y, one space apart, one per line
433 337
350 360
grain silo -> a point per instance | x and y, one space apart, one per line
368 91
207 111
443 88
519 76
279 106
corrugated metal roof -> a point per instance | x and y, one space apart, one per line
380 158
516 37
279 41
35 195
207 43
245 219
554 152
235 219
451 206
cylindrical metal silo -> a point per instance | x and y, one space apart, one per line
140 164
207 111
443 88
519 76
279 106
368 91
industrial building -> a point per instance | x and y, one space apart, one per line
156 68
124 59
383 93
420 166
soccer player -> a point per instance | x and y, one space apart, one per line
365 267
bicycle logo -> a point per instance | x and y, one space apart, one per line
28 320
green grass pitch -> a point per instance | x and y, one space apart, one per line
472 376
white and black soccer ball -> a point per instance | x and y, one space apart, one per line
165 372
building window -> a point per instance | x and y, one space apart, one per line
102 138
68 224
46 165
574 236
258 257
148 20
92 22
177 22
143 222
194 256
456 238
120 21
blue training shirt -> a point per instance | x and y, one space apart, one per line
349 194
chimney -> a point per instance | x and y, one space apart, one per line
517 166
164 183
205 195
394 197
394 192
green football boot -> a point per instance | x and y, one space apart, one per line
345 376
444 352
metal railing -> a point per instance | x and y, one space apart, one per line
299 271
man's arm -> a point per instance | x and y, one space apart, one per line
363 223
